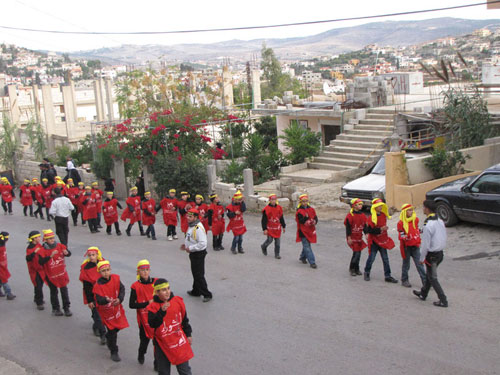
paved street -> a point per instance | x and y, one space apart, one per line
270 316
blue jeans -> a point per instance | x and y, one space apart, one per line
385 259
237 241
277 242
6 288
412 252
307 252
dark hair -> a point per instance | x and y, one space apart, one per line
430 205
57 191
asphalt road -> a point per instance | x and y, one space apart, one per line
268 316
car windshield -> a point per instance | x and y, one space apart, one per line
379 167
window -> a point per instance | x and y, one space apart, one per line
303 123
487 184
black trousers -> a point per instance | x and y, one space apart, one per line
141 229
432 261
74 216
7 206
54 296
62 229
39 210
47 213
200 286
356 257
97 325
38 290
111 338
164 364
151 229
217 241
171 230
25 210
144 341
117 228
92 224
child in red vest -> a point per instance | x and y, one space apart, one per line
89 276
7 195
4 270
172 332
355 223
169 210
47 197
98 197
81 192
37 197
141 295
202 208
378 239
52 259
133 211
306 219
235 212
272 225
409 240
36 271
149 215
184 206
26 197
72 193
110 211
109 293
89 204
216 222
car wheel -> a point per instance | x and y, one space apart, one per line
445 212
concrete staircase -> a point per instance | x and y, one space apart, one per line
357 148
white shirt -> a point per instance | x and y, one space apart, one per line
61 206
70 165
433 237
200 242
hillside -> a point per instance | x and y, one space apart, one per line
393 33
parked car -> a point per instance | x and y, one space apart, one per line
367 187
372 185
474 199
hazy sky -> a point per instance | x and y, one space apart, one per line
166 15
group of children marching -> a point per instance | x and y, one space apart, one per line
161 316
409 234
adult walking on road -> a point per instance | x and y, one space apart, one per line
61 209
195 244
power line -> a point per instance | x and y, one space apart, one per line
249 27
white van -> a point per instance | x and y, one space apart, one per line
367 187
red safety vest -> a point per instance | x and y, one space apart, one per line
169 210
149 205
91 275
170 335
218 222
4 271
412 238
382 239
236 223
113 317
357 221
34 266
55 268
144 293
308 229
274 214
110 211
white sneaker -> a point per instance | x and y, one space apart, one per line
169 238
175 237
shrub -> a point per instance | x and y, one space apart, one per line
233 174
188 174
303 143
444 163
62 152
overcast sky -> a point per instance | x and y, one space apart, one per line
166 15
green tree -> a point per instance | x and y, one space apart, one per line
9 143
36 138
303 143
276 82
266 127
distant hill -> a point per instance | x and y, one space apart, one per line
388 33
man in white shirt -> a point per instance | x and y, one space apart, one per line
61 208
196 245
431 253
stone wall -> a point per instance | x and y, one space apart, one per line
29 169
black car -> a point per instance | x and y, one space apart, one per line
475 199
